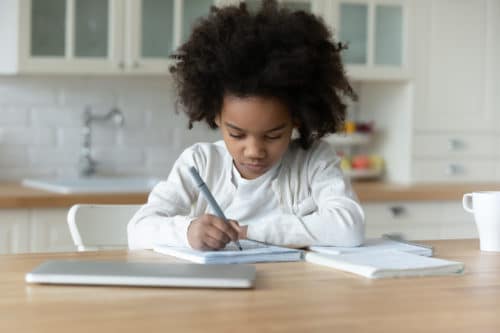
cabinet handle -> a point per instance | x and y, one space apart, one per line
121 65
455 144
454 169
135 64
397 210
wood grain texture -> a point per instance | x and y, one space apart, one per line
14 195
289 297
382 192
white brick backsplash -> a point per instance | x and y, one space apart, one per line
28 135
41 126
11 156
87 91
55 157
22 91
134 117
166 118
69 137
162 158
144 136
104 135
146 92
55 116
199 133
25 171
13 116
119 157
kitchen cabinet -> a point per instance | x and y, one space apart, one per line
34 230
137 36
94 36
46 230
455 137
378 37
419 220
453 43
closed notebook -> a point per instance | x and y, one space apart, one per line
252 252
383 264
375 244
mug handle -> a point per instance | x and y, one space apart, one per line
467 202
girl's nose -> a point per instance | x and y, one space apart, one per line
255 150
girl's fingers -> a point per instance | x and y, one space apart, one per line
213 244
218 235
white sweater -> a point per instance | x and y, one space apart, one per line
317 204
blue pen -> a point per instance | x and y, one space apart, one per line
209 197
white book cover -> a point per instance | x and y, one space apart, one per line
376 244
382 264
252 252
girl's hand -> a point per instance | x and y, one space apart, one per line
242 229
210 232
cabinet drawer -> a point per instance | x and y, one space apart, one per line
454 170
402 212
409 219
439 145
419 220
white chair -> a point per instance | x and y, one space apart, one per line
96 227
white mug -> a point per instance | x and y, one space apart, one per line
486 209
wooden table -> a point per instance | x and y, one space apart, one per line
289 297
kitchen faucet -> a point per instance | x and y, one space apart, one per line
86 164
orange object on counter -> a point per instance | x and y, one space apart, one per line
350 127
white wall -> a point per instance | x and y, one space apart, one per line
40 125
388 105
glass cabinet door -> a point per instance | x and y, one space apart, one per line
157 28
353 30
192 10
388 35
91 28
48 28
305 5
298 5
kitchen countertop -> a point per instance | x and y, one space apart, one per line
14 195
383 192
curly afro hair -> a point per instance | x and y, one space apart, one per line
275 52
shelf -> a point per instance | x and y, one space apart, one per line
355 139
364 173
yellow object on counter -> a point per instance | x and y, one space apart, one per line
345 164
376 162
350 127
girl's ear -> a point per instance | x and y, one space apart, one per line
217 120
295 130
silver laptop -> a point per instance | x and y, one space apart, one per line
143 274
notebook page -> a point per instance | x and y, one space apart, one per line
374 244
252 252
386 264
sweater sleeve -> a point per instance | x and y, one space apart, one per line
165 217
330 216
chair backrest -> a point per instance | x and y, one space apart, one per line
96 227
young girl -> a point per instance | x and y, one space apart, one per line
272 83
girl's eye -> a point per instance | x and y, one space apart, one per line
236 136
273 137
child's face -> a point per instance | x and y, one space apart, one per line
256 130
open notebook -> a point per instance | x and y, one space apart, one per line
252 252
377 244
388 263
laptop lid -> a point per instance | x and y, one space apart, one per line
88 272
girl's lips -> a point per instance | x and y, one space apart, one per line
255 167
